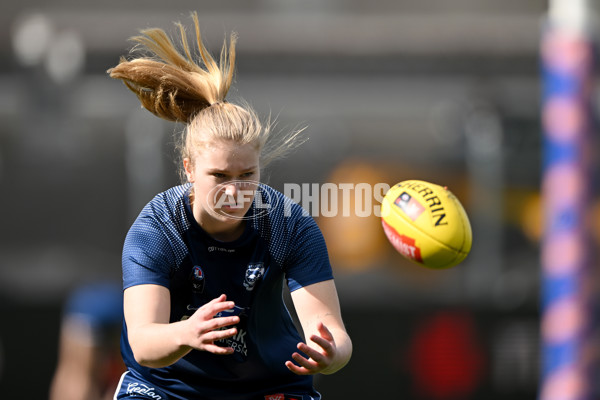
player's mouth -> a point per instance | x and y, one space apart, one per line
232 207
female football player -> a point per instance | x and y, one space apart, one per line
204 264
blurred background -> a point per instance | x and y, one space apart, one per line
445 91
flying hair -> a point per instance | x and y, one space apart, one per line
169 83
174 86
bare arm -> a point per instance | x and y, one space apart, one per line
157 343
319 313
75 378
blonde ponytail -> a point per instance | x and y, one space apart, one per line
172 85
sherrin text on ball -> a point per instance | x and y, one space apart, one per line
426 223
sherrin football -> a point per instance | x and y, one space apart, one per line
426 223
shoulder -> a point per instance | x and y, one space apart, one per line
166 209
161 223
294 238
168 203
280 221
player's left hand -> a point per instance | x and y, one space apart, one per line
319 359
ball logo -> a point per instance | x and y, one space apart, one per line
234 196
434 203
411 207
403 244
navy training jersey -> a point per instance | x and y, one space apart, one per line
167 247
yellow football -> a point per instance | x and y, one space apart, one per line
426 223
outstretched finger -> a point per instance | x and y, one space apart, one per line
324 331
325 344
215 306
299 370
213 348
220 322
308 363
218 335
216 300
313 354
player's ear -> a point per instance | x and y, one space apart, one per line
188 167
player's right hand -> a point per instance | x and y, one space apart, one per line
205 329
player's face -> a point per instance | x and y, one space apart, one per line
225 176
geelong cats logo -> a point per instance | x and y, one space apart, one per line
253 273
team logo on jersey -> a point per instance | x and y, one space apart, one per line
278 396
198 279
136 388
281 396
254 272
